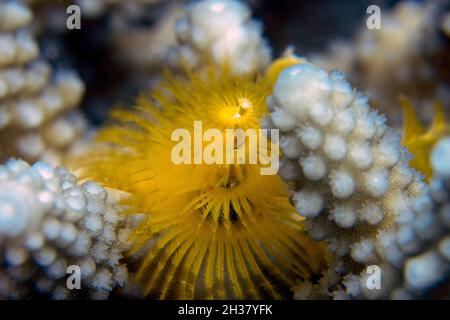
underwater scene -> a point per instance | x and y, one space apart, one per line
224 150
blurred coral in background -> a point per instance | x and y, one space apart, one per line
37 120
87 178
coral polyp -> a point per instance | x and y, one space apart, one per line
217 230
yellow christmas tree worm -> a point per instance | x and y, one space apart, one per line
420 141
218 230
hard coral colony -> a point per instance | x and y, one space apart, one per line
151 209
37 120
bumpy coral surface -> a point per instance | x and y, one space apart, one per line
224 31
348 170
49 224
421 244
35 121
428 238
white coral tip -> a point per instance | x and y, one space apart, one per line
308 203
440 158
343 215
335 147
342 183
314 168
